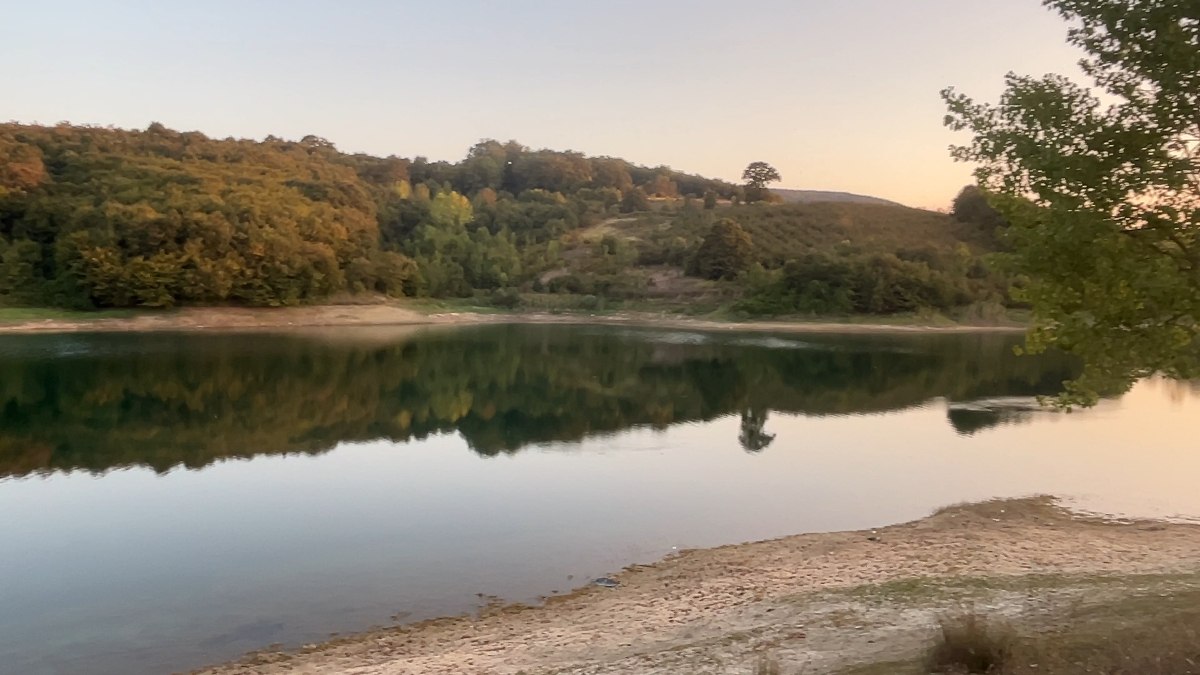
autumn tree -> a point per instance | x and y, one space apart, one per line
102 217
1102 189
725 252
21 167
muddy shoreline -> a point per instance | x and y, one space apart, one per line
828 601
326 316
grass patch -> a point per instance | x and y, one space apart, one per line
918 590
1149 634
1154 629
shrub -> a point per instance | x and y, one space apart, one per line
970 643
725 252
508 298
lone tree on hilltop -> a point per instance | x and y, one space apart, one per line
725 252
757 176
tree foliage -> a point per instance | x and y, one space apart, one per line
725 252
1103 190
758 176
158 218
880 283
971 206
93 217
101 217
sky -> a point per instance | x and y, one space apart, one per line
836 95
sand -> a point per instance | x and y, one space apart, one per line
824 601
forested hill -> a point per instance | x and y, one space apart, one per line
101 217
107 217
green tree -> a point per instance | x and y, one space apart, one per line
635 200
725 252
971 206
710 200
1103 190
758 175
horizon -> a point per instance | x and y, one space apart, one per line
867 121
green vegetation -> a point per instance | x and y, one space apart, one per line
107 218
24 314
115 399
1102 191
1137 635
724 253
758 176
93 217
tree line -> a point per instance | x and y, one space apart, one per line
101 217
98 217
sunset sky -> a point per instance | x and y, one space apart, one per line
837 96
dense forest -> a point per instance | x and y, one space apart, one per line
103 401
98 217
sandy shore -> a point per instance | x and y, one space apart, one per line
823 601
233 318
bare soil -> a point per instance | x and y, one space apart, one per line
819 603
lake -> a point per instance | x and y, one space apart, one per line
171 500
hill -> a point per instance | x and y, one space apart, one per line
934 260
103 217
814 196
98 217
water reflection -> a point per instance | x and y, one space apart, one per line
97 402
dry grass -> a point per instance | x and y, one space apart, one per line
767 664
1144 635
971 643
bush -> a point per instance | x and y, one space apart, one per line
725 252
569 283
868 284
508 298
969 643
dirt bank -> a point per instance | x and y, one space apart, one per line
820 602
233 318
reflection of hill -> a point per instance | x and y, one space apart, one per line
104 401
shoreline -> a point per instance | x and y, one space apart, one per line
829 601
396 315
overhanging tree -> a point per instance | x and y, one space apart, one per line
1102 188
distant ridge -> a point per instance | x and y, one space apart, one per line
810 196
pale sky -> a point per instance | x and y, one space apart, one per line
836 94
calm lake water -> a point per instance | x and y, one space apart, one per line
174 500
